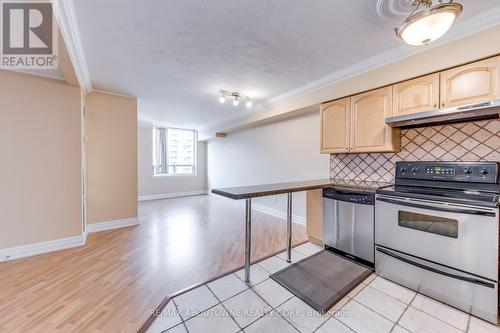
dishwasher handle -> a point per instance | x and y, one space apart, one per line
349 196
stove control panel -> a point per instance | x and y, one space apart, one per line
474 172
439 170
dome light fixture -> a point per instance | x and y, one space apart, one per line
425 26
236 96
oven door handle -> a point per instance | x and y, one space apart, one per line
441 209
437 271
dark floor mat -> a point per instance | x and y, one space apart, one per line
322 279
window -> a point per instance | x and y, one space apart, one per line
174 151
427 223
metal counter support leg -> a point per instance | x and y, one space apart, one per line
289 228
248 237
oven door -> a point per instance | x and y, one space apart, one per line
460 236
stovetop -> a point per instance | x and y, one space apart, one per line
473 183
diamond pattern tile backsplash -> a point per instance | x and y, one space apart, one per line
470 141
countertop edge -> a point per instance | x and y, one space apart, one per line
251 195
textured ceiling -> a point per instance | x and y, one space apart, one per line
175 55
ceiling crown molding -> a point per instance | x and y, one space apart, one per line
462 29
65 14
388 9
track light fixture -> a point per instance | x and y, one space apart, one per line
236 96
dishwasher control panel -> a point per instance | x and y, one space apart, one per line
357 197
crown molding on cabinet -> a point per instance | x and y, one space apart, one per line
64 11
475 24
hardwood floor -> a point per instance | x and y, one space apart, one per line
114 282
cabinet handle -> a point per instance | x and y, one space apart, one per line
435 105
442 104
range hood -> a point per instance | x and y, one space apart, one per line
488 110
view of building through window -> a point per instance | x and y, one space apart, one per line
174 151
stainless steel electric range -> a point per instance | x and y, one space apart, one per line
436 231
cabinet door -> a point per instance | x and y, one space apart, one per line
369 133
335 119
417 95
473 83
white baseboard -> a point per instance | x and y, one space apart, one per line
39 248
114 224
265 209
278 213
171 195
29 250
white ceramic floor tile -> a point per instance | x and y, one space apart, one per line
214 320
308 249
392 289
271 323
257 274
177 329
356 290
301 315
399 329
477 325
273 264
381 303
167 318
417 321
335 310
334 326
363 320
272 292
195 301
296 256
441 311
246 307
227 287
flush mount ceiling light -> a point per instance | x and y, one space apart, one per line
425 26
236 96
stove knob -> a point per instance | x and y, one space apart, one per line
414 169
484 171
467 171
403 169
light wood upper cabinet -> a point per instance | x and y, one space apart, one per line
417 95
369 133
473 83
335 120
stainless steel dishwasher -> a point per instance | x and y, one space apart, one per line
349 224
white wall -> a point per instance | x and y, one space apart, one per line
281 152
150 185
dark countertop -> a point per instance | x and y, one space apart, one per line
253 191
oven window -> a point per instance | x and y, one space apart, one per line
427 223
